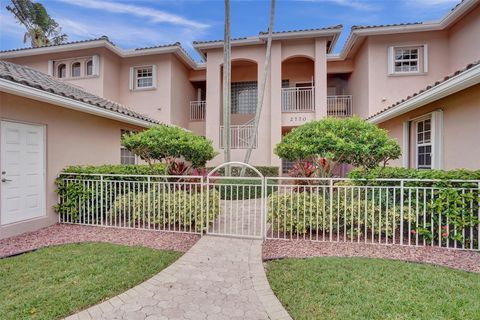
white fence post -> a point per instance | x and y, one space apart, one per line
331 209
402 197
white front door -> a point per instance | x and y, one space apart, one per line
22 165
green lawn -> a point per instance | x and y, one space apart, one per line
360 288
56 281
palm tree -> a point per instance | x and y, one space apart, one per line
258 111
226 86
42 30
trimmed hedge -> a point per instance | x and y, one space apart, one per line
296 213
266 171
407 173
182 208
156 169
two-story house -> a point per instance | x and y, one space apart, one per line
420 81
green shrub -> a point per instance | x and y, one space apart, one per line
408 173
155 169
175 207
297 213
164 142
266 171
351 141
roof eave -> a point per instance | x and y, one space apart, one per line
52 98
455 84
445 22
176 49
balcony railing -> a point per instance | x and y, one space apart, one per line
197 110
339 106
298 99
240 136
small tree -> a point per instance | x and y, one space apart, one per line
167 143
351 141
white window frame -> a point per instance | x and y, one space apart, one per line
133 79
436 139
422 59
122 148
86 68
57 71
425 144
79 69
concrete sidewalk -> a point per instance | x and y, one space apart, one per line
218 278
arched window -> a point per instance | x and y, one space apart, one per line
89 68
76 69
62 71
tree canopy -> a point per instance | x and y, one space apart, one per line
166 143
41 28
351 141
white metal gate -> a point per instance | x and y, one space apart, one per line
241 202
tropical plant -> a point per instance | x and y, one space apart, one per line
42 30
167 143
350 141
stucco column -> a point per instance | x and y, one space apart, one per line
320 78
261 155
275 100
212 117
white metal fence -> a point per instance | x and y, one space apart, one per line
167 203
383 211
300 99
339 106
405 212
240 136
197 110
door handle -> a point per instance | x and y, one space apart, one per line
5 180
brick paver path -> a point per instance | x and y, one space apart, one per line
218 278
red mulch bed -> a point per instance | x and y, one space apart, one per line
63 233
453 258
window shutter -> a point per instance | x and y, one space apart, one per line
406 144
391 53
437 139
96 65
131 78
50 67
425 58
154 76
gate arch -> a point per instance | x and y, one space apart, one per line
235 205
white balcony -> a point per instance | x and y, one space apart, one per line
300 99
339 106
240 136
197 110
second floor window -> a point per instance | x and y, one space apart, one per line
89 68
244 97
144 77
76 69
406 60
62 71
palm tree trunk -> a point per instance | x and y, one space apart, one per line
258 111
226 87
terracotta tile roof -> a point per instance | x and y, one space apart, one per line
159 46
429 87
338 26
386 25
218 40
59 45
38 80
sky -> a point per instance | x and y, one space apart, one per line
134 24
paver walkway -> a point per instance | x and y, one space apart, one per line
218 278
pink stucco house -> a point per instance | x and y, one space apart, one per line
420 81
